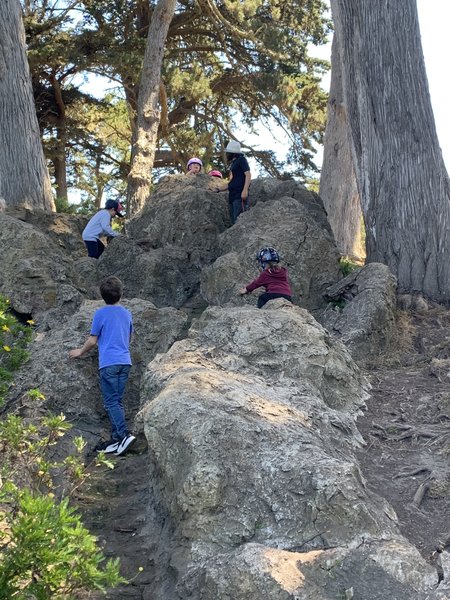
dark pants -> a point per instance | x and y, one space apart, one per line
266 297
236 205
95 249
113 380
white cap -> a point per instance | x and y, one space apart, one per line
233 147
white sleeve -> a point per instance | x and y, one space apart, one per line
105 223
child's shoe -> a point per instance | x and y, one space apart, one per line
107 447
125 443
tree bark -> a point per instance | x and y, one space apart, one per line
24 178
338 188
59 160
401 177
148 114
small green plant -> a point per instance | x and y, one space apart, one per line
45 551
348 266
14 339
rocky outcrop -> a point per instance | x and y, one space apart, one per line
251 429
362 310
36 275
250 419
291 219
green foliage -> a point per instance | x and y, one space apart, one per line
227 64
47 553
45 550
14 338
348 266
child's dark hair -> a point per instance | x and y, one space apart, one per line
111 290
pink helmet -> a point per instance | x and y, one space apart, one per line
215 173
194 161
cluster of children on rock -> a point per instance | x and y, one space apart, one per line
112 324
239 180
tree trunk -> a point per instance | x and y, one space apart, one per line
338 188
148 115
59 160
24 178
402 181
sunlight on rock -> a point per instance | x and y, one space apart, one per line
284 567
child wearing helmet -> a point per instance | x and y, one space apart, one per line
194 166
272 277
239 180
215 173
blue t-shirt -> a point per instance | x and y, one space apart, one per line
238 167
112 324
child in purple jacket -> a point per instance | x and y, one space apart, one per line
273 278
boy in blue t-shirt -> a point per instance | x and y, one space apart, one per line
111 330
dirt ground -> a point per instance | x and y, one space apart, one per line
405 459
407 430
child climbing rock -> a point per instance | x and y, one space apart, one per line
194 166
273 278
100 224
111 330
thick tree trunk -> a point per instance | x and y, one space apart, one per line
402 181
24 178
338 188
148 115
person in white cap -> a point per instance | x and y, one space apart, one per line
100 224
239 180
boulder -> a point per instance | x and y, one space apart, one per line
250 423
362 310
297 227
36 274
63 229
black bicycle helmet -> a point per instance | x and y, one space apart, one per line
266 255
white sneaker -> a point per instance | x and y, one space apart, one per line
125 443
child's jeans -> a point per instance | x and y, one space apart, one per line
113 380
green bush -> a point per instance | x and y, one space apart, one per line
348 266
14 339
47 553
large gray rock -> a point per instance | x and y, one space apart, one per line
36 275
185 228
251 428
169 242
165 276
362 310
183 213
63 229
297 227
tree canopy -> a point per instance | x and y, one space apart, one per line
226 64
